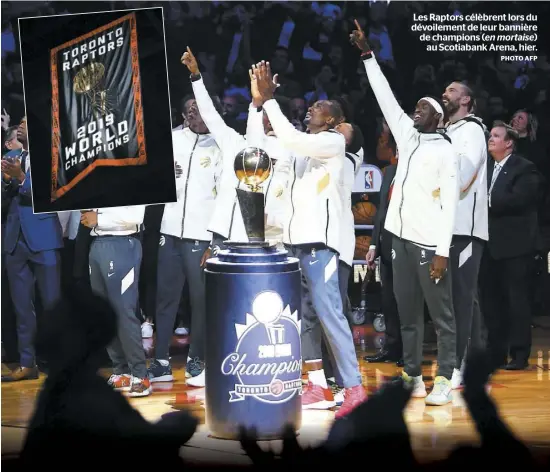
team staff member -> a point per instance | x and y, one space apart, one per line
115 261
31 243
421 217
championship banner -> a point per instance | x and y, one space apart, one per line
97 113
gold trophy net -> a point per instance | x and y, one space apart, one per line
90 81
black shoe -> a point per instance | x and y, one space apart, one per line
382 356
194 367
517 365
160 373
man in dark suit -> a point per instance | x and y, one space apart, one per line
514 191
9 336
381 246
31 244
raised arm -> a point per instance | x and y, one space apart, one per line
255 135
316 146
323 145
399 123
224 135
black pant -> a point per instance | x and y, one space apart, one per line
465 258
9 324
393 344
178 263
507 306
67 265
413 285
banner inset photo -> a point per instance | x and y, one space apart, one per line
97 113
98 109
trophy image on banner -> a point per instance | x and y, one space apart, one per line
252 167
90 82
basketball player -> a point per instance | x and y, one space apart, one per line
421 216
312 233
184 240
225 221
115 261
471 229
352 165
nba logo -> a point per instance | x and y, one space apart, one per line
369 180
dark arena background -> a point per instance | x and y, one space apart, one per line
308 46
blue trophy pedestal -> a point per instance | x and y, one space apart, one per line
253 352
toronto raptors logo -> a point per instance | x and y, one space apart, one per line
267 360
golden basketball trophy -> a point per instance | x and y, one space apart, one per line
252 167
90 81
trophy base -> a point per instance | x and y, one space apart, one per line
249 245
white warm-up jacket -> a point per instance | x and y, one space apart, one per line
425 194
200 160
316 182
352 165
469 142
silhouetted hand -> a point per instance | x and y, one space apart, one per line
249 443
478 369
379 419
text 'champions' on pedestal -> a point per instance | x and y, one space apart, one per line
97 112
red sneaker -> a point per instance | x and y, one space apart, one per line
315 397
121 383
353 397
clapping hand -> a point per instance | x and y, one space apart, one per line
265 82
12 168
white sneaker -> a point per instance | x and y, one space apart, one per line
181 331
147 330
197 381
441 393
456 380
419 388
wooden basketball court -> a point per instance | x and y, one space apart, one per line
523 399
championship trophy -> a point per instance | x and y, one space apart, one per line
253 311
252 167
